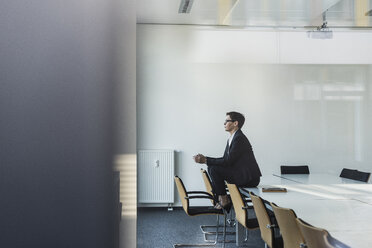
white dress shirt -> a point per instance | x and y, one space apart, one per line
231 138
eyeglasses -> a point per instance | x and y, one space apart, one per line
226 121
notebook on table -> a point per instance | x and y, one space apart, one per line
274 189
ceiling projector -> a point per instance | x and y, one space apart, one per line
321 32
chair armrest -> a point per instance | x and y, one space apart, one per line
198 192
199 197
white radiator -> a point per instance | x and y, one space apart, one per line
155 176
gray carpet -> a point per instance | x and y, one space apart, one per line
160 228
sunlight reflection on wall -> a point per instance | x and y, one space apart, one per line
337 94
127 165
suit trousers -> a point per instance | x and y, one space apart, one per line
220 174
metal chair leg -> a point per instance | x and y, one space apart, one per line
196 245
203 227
205 232
203 245
223 232
216 237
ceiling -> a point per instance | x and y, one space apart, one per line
258 13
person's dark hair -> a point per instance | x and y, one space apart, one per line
237 117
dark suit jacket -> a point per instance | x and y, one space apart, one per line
239 159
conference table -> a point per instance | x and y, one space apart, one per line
341 206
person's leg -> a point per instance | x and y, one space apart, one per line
218 176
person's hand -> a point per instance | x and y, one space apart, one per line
199 158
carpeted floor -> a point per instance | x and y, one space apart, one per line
160 228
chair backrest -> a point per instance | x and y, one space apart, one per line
314 237
182 193
238 203
264 222
207 182
294 169
355 175
286 218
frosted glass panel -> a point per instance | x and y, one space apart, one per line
310 114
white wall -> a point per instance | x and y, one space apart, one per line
315 110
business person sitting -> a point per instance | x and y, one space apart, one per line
238 164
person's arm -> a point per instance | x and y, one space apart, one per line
238 147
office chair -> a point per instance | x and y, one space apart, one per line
185 197
241 207
286 218
267 223
314 237
229 220
294 169
208 186
355 175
